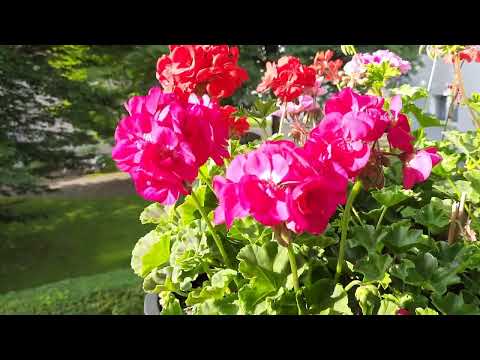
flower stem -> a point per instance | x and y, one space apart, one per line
382 215
205 179
345 220
217 240
282 119
293 266
296 286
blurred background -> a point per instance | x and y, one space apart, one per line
68 218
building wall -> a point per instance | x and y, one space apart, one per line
442 77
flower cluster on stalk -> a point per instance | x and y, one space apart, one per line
172 131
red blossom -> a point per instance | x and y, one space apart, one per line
210 69
238 126
329 69
287 79
402 312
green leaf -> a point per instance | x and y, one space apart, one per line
188 210
448 164
159 280
368 238
452 304
424 272
250 231
410 93
425 120
392 195
463 141
267 268
435 216
474 177
282 303
368 298
325 298
374 267
388 306
170 304
401 238
409 212
214 289
425 311
225 306
156 214
339 303
150 252
318 241
269 262
265 108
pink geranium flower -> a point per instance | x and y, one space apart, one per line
418 166
363 116
330 142
165 139
315 200
351 124
278 183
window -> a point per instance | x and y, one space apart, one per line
439 107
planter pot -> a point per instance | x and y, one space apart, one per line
151 306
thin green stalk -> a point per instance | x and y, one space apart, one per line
217 240
296 285
282 119
293 266
357 216
345 220
380 219
205 179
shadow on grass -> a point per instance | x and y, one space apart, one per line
63 238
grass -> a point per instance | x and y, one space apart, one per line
66 238
114 293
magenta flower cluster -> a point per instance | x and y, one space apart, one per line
165 139
281 182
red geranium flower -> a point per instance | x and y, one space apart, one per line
327 68
238 126
210 69
287 79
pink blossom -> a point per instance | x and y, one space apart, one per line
306 103
252 185
351 123
418 166
277 183
161 187
165 139
359 61
363 116
330 142
315 199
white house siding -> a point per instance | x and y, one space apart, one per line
442 77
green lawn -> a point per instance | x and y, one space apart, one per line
65 238
114 293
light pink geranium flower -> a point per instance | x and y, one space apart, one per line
418 166
357 65
306 103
